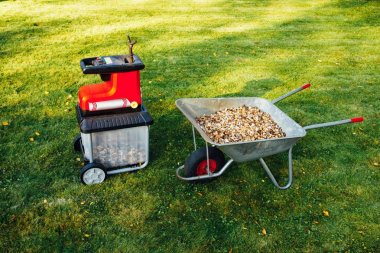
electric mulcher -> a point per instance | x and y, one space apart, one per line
114 124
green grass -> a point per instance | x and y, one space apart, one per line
192 49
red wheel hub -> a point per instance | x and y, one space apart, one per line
202 167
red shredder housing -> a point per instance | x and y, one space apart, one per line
121 86
124 86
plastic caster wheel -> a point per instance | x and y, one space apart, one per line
196 163
93 173
77 143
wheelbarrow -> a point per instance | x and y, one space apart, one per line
208 162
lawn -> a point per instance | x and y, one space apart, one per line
192 49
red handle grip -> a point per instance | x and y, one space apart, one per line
356 120
306 86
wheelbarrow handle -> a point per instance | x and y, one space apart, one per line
291 93
334 123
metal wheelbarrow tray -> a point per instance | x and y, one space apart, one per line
243 151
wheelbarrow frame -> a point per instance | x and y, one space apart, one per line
239 152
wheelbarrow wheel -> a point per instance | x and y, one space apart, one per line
77 143
196 163
93 173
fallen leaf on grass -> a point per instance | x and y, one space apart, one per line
264 231
5 123
325 213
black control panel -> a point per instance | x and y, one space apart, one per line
110 64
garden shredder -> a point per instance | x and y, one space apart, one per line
114 124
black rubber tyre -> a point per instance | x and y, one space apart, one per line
196 163
77 143
93 173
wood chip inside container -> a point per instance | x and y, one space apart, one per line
244 123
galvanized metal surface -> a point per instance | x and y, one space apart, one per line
290 172
328 124
247 151
243 151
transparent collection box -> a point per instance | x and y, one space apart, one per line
117 148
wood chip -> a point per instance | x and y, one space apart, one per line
118 155
240 124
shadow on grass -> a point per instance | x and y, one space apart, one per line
195 217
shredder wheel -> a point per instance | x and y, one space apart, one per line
77 143
196 163
93 173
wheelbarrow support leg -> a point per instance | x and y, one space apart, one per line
290 172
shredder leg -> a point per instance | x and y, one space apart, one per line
290 172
